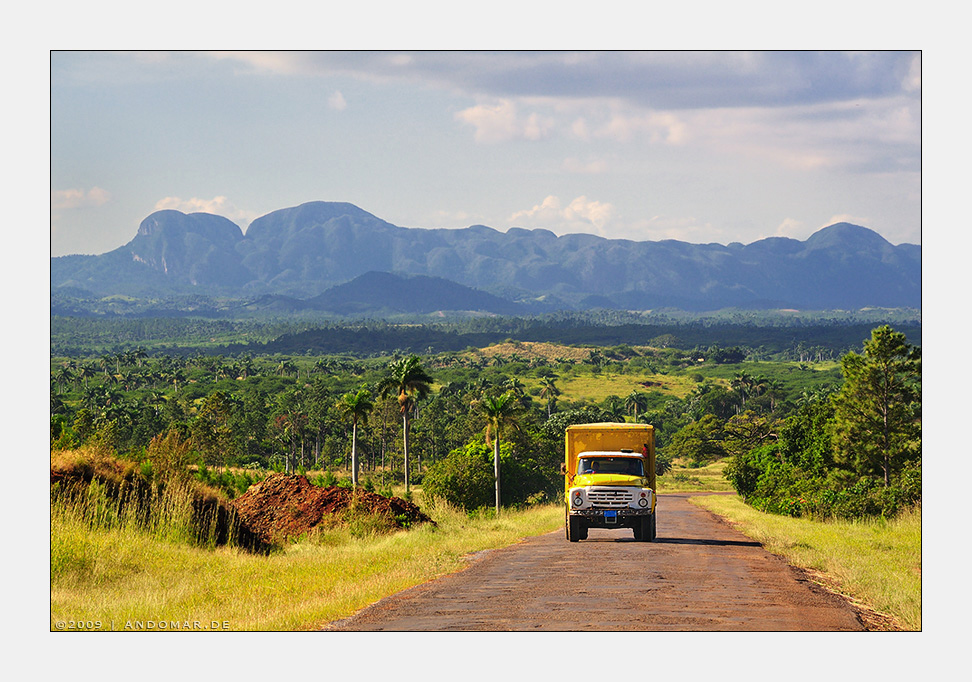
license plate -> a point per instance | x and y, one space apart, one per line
610 516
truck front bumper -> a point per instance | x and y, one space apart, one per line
591 513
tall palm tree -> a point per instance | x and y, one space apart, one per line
63 376
356 407
499 412
410 382
85 372
549 391
741 384
636 400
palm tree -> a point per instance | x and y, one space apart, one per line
549 391
139 355
356 407
499 411
410 382
63 376
243 367
85 372
742 384
596 358
516 386
288 367
635 400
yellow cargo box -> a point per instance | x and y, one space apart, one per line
635 438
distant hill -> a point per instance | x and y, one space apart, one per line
383 292
339 258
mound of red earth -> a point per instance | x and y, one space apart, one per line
287 506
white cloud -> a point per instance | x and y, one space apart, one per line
217 205
337 102
653 126
578 216
791 227
66 199
501 122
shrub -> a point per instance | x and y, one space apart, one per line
464 478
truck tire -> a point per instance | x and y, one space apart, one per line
646 524
573 527
654 526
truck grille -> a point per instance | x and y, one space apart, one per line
609 498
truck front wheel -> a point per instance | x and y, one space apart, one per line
645 528
575 529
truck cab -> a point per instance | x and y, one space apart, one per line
609 479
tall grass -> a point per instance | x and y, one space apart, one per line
874 561
122 576
170 511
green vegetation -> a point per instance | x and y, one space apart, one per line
792 430
876 562
684 479
291 412
850 453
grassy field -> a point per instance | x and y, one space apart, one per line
123 578
687 480
597 387
876 562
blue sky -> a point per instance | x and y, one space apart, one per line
697 146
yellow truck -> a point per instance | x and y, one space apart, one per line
609 479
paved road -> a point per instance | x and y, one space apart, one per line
699 575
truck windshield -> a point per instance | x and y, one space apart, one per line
629 466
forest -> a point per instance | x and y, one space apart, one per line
793 419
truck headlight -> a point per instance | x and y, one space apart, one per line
643 502
578 500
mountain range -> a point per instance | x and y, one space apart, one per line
336 257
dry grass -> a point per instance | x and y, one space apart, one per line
122 577
529 350
876 562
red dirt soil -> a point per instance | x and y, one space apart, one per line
286 506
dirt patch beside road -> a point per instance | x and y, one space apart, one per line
698 575
285 506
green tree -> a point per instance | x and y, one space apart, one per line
748 431
500 412
356 407
409 381
211 431
84 424
878 409
699 442
290 423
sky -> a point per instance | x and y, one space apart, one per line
699 146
